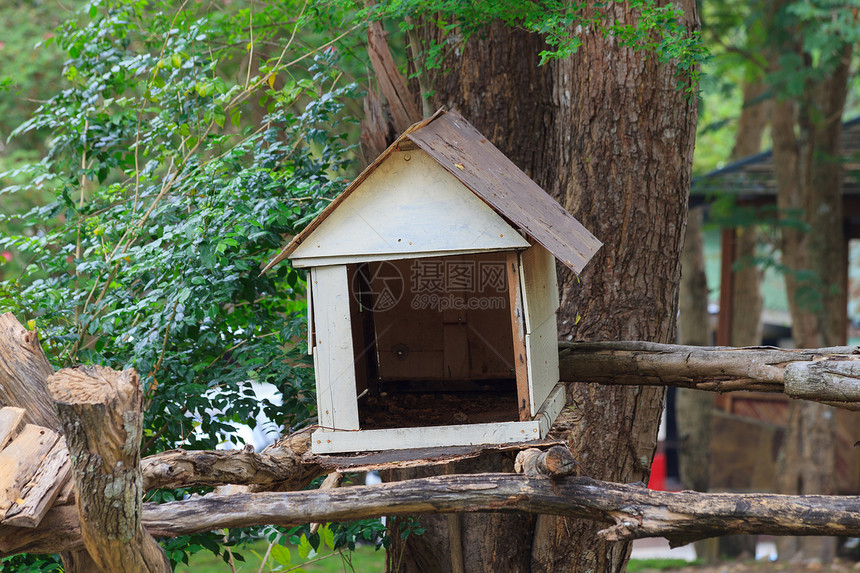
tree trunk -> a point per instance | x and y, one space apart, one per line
609 135
102 415
746 314
809 178
24 370
746 323
693 408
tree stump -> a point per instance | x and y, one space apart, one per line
101 414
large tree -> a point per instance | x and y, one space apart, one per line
810 64
609 133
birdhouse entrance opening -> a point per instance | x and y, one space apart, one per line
433 341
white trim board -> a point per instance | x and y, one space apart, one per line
368 258
539 285
542 362
334 360
323 442
330 442
550 409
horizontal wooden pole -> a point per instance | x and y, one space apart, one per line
827 375
282 468
630 511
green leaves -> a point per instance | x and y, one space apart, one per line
161 213
656 29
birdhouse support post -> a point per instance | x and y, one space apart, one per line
334 360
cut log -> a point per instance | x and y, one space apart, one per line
41 491
331 481
630 511
553 463
23 371
11 422
835 381
718 369
101 413
288 464
20 460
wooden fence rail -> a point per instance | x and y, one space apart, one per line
828 375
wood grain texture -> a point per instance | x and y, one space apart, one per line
518 328
101 412
628 511
554 463
11 422
181 468
391 81
23 371
20 460
468 155
825 380
39 493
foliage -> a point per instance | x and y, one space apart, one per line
27 72
365 558
658 30
657 564
167 204
24 563
28 75
181 154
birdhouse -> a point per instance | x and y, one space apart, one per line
432 297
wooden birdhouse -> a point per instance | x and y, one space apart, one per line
432 297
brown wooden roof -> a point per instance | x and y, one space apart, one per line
470 157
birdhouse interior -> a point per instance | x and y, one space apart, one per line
433 341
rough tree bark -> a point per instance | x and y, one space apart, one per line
609 135
102 415
24 370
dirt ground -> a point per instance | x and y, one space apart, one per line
765 567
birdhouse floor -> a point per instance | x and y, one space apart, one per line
451 433
418 409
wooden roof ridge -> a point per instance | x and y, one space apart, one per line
473 160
